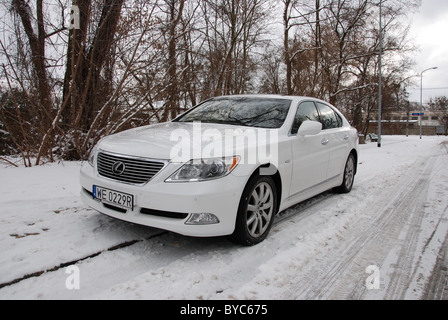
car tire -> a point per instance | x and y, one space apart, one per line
349 175
256 211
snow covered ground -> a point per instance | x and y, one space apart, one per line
381 241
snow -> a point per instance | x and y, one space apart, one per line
395 219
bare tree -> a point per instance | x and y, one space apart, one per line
233 29
90 92
440 105
331 51
140 62
173 10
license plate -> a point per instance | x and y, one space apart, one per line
112 197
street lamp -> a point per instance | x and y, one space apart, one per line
380 97
421 97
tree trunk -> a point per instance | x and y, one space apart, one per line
172 103
37 45
286 48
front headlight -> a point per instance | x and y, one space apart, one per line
204 169
92 155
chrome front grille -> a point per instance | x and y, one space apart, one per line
127 169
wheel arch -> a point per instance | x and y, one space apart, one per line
354 152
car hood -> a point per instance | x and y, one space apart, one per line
182 141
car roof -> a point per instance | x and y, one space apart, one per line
272 96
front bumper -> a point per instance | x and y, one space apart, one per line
168 206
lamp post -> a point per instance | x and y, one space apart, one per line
380 97
421 97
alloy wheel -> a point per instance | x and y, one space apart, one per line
349 172
260 209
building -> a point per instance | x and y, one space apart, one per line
400 122
429 118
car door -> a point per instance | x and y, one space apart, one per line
310 153
337 140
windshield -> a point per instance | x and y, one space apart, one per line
243 111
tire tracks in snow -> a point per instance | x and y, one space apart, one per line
66 264
437 286
412 204
389 242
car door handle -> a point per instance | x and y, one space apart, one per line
325 141
346 137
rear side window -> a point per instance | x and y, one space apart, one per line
328 117
306 111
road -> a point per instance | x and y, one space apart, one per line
387 239
390 241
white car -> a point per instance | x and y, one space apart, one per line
224 167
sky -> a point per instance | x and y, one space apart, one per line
429 29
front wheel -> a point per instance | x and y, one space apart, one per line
256 211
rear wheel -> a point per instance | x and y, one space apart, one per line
256 211
349 175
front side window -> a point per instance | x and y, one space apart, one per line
328 117
243 111
306 111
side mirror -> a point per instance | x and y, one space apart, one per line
309 128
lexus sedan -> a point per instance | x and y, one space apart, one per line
225 167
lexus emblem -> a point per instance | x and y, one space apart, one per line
118 168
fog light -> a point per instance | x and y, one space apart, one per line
202 218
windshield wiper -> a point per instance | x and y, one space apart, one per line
235 122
